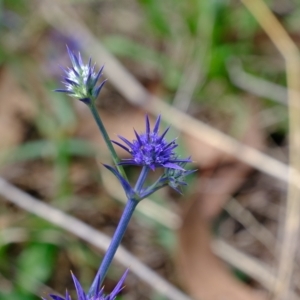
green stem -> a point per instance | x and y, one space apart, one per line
106 138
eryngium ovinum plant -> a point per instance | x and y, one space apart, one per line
150 150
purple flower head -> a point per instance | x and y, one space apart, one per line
80 80
151 149
98 295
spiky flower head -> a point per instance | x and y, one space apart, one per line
81 79
151 149
97 295
176 178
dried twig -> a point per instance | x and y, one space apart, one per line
254 268
190 80
290 53
242 215
254 85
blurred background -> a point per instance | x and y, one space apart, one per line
215 73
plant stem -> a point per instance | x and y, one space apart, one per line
115 242
106 138
141 180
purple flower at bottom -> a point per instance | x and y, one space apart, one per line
151 149
98 295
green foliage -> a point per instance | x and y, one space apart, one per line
16 295
166 238
18 6
155 11
35 264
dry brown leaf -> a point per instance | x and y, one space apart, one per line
205 276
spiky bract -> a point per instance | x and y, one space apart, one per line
176 178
